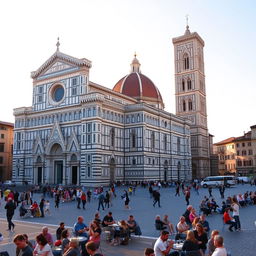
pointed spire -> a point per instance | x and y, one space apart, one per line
187 32
58 44
135 65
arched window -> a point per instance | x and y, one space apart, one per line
152 140
184 105
183 85
189 84
186 61
190 105
112 137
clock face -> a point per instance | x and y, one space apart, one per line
58 94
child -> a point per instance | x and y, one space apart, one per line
47 207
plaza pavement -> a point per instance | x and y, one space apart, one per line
238 243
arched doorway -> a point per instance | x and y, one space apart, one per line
39 176
74 170
112 167
57 154
165 170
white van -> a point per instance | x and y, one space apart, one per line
244 179
218 180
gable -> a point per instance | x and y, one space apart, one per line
56 69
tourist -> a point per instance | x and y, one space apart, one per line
182 228
95 232
78 198
149 252
177 190
126 200
210 191
57 199
162 247
80 228
228 220
159 224
191 244
47 207
201 237
218 243
156 197
168 224
42 246
210 245
22 247
108 220
121 232
89 195
59 230
195 221
186 214
101 199
47 235
204 223
91 248
192 215
222 191
97 218
65 240
235 208
10 209
107 196
83 199
41 206
187 195
73 248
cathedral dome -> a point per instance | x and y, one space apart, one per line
139 86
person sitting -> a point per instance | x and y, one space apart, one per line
73 248
229 201
35 209
191 245
160 225
182 228
91 248
80 228
47 235
59 230
201 237
241 200
23 209
186 214
168 224
204 223
204 208
133 226
196 220
95 232
221 209
163 247
97 218
42 246
65 240
108 220
228 220
218 243
210 245
149 252
192 215
121 232
22 246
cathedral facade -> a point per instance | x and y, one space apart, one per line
82 133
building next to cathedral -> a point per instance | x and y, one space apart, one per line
80 132
237 155
6 150
190 94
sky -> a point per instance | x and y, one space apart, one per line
108 32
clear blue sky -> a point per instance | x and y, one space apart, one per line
109 31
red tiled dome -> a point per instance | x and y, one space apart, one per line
138 86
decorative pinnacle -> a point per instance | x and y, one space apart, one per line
135 54
58 44
187 20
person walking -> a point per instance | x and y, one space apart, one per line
107 197
101 201
10 209
222 190
78 198
210 191
156 196
187 195
57 199
177 190
41 206
89 195
126 200
150 190
83 198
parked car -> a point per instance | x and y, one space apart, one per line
244 179
9 183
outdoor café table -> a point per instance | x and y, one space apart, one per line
177 246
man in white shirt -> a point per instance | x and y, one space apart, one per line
182 228
235 207
220 250
163 247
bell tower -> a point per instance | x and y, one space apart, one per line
190 97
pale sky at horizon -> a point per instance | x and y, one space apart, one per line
108 32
